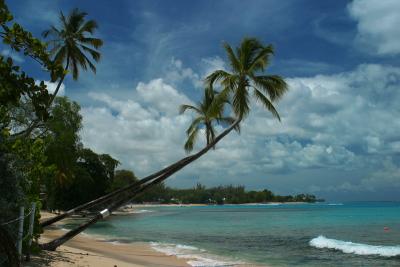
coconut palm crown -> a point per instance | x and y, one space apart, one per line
247 65
209 112
72 43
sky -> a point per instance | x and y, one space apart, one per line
339 135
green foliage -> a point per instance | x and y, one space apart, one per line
62 140
91 180
15 83
217 195
122 178
11 192
80 174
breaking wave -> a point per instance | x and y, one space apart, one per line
193 255
355 248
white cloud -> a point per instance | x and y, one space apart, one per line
176 74
377 24
211 64
145 134
345 122
161 96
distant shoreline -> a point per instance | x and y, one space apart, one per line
138 205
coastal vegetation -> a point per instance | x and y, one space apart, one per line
228 194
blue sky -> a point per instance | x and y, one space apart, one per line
339 133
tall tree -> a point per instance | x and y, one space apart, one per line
208 112
71 44
247 66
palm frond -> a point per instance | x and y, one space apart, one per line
240 103
211 134
95 42
60 54
194 125
267 103
228 121
273 85
233 61
53 31
89 26
63 20
216 107
261 60
247 51
183 108
95 54
76 19
191 140
231 82
215 77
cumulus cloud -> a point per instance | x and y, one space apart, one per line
377 24
145 134
161 96
340 123
177 74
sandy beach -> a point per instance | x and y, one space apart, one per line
84 250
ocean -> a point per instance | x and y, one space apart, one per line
321 234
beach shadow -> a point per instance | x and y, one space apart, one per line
46 258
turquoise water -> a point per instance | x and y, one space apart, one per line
277 235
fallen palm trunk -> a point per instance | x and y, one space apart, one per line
109 196
164 174
105 213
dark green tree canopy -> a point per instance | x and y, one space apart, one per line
123 178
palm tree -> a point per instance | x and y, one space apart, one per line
71 44
209 111
247 66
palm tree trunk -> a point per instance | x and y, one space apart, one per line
163 176
135 185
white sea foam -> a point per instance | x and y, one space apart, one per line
194 256
355 248
140 211
335 204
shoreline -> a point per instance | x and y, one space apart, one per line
87 250
90 250
94 250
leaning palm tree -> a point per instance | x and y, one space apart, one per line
209 112
247 66
71 44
